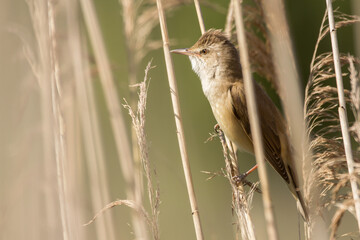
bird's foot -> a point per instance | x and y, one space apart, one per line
241 180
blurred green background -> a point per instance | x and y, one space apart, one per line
214 196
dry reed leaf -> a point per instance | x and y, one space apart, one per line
128 203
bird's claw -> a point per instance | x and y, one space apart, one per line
241 180
217 128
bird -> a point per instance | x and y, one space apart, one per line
216 61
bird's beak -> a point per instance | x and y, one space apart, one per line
183 51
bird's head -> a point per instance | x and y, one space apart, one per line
213 56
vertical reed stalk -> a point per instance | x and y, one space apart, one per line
128 12
285 66
199 15
42 71
116 118
58 128
178 121
342 111
254 120
94 156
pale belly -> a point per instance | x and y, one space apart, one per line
230 125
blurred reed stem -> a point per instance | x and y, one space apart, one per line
58 128
91 137
178 122
292 101
129 11
117 122
342 111
199 15
41 68
254 120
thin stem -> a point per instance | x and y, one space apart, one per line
254 120
199 15
178 121
342 110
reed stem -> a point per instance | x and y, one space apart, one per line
178 122
199 15
342 111
254 120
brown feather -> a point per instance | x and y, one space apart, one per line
269 126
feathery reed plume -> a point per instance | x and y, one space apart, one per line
254 120
241 201
355 6
178 122
116 118
138 120
329 166
355 98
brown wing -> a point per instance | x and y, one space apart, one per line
270 119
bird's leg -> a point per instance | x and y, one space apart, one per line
241 179
242 176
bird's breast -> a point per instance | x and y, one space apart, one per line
221 105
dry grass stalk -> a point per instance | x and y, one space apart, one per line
89 123
59 129
139 20
40 62
199 15
289 92
254 119
134 188
178 122
138 120
129 203
342 111
241 201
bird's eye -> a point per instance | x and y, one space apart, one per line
204 51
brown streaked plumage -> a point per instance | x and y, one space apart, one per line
216 61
